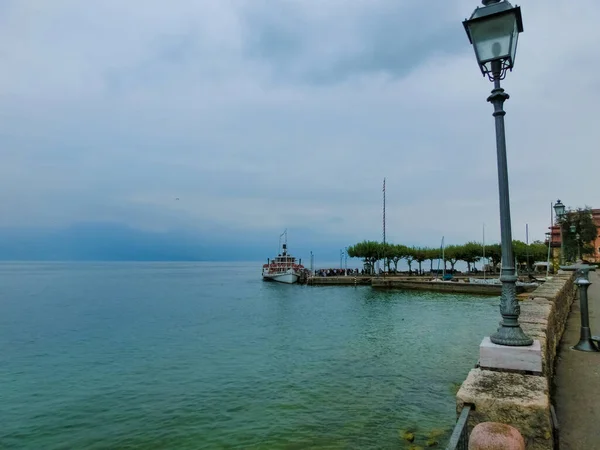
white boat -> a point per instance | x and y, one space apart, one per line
284 268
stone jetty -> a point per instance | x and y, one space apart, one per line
522 399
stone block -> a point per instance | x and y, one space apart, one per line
521 401
495 356
495 436
536 309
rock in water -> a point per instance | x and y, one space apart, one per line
408 436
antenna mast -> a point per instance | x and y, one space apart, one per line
384 212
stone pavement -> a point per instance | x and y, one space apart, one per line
577 380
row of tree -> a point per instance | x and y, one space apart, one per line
470 253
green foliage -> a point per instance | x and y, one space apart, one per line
420 255
432 255
584 228
494 253
471 253
452 255
398 252
369 251
529 254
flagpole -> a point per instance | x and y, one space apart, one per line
484 251
384 255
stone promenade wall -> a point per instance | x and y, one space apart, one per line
519 399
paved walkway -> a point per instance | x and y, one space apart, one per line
577 380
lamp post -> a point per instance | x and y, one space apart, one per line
559 209
573 229
549 240
346 260
494 30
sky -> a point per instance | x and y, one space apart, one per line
232 120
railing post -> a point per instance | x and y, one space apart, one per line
460 436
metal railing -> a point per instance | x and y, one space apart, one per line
460 436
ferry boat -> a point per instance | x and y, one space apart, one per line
284 268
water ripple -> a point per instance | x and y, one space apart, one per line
195 356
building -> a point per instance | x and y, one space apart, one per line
555 241
596 219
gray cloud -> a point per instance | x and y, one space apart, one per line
347 40
260 115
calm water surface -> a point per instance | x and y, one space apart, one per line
199 355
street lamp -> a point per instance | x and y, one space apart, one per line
559 209
549 240
494 30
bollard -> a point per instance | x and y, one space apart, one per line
585 344
495 436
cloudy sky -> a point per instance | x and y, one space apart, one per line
265 114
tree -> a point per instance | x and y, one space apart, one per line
387 253
410 257
432 255
452 255
521 252
538 251
369 251
529 254
398 252
494 253
470 253
420 255
581 222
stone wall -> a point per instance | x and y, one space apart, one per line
437 286
519 399
349 280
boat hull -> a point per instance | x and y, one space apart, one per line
288 277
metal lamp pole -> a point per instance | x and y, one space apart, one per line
510 332
562 246
559 209
346 260
493 31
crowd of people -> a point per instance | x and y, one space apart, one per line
356 272
338 272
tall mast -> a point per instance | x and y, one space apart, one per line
443 256
384 213
527 242
384 256
284 235
484 251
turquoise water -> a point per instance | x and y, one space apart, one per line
203 355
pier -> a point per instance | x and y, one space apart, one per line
458 285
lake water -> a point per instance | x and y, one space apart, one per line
203 355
